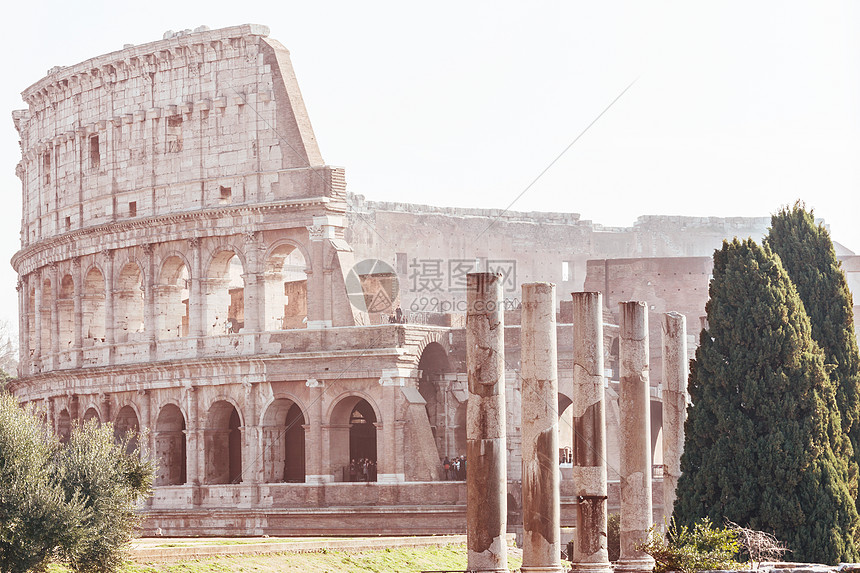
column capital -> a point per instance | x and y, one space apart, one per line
314 383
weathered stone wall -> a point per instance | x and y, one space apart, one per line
432 248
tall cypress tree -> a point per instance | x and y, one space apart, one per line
807 253
757 447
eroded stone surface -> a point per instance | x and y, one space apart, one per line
589 442
486 479
674 403
634 400
541 494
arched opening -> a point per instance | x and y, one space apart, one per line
283 442
129 304
171 299
286 288
565 431
93 308
224 295
170 446
223 444
126 422
92 414
353 440
64 426
66 313
45 311
440 403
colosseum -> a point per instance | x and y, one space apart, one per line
189 265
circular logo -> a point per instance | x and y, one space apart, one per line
372 287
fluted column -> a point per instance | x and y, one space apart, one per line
674 403
486 478
589 440
635 438
540 479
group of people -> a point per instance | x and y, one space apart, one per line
454 469
362 470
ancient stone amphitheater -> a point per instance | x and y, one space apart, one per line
190 266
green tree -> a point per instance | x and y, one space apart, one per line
70 503
36 517
757 447
807 253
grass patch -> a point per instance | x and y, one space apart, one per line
405 559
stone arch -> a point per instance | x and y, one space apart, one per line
440 338
170 446
92 413
353 435
224 293
64 426
223 443
283 441
66 312
46 322
93 306
172 297
127 421
222 247
285 280
129 301
435 389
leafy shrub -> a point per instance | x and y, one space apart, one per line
613 536
71 503
688 550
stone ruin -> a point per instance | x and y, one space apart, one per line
485 432
190 265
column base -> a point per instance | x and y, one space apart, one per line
390 478
318 324
635 565
318 479
540 569
605 567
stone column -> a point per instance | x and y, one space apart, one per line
251 437
37 320
674 403
255 302
196 294
541 495
146 422
316 296
55 317
313 431
486 477
110 303
389 456
589 439
24 327
150 282
77 345
635 437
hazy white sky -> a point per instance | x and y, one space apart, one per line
738 109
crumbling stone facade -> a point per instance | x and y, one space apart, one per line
190 265
183 268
